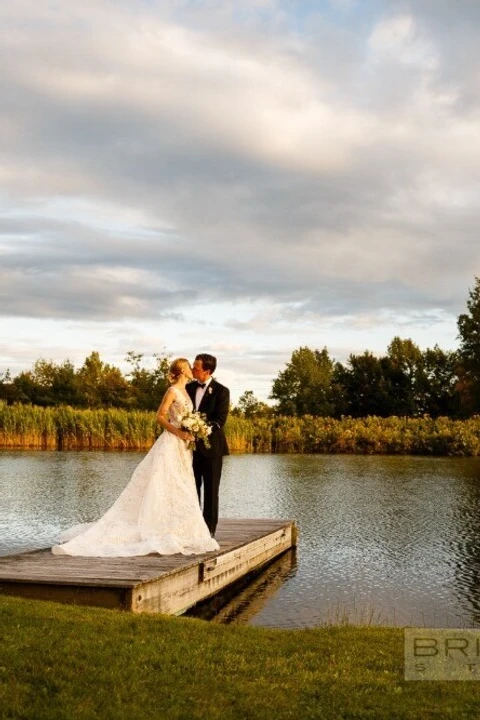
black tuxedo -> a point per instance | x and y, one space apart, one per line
207 462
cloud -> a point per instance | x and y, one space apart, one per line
286 164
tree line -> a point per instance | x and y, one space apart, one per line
406 381
95 384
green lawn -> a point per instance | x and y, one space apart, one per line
59 661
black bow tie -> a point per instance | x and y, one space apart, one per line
202 385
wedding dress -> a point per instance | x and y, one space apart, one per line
157 512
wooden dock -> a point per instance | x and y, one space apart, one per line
241 602
169 584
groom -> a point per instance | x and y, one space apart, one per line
213 400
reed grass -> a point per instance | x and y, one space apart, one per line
67 428
368 436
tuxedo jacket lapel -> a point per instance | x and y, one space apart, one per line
191 390
207 395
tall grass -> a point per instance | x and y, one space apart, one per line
370 435
67 428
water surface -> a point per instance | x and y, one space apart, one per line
383 540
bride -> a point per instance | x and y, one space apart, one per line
158 512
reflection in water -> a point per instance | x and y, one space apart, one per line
239 606
463 548
383 540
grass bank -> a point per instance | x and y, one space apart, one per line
67 428
61 662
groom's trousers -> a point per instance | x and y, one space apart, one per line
207 471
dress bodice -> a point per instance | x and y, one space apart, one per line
179 407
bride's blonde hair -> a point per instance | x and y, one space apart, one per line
176 368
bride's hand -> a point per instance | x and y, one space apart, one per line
186 436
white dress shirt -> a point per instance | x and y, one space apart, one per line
200 392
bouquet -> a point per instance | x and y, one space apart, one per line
196 424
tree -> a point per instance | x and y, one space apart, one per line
7 389
305 386
469 352
56 384
102 385
147 387
364 387
64 385
90 378
440 394
249 407
24 388
46 384
403 370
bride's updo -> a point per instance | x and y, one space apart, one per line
176 369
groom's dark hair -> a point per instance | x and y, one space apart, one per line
208 362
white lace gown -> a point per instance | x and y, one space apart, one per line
158 512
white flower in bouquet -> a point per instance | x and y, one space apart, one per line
196 424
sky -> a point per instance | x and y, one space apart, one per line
240 178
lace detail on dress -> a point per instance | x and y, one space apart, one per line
179 406
158 512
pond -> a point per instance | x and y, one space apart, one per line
382 540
